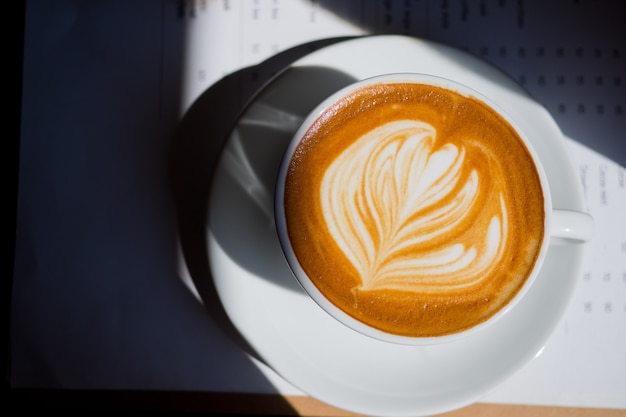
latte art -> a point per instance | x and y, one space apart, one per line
390 194
414 209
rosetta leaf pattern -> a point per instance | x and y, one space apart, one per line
394 190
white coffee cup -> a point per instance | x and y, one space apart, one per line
568 226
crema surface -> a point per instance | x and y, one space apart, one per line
414 209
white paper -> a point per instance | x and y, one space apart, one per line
584 362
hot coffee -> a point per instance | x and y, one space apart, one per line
414 209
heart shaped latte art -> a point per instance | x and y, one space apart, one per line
398 205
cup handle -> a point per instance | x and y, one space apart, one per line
571 225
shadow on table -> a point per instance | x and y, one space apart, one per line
199 145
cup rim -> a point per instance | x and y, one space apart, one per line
311 289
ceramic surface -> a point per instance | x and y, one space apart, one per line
288 330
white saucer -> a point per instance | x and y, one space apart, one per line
288 330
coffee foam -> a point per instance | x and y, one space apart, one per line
390 192
419 214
